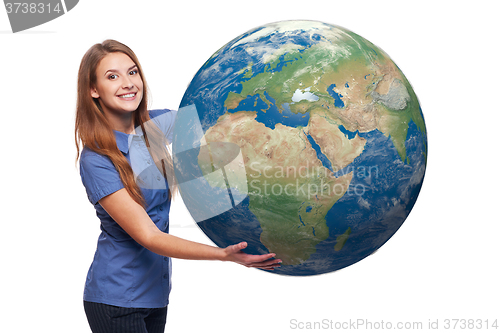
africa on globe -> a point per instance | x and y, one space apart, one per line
302 139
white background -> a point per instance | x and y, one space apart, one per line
442 263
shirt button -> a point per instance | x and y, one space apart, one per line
148 161
161 208
165 276
165 258
164 195
158 177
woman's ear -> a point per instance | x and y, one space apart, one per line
94 93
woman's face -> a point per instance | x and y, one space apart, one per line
119 86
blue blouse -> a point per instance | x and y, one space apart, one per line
124 273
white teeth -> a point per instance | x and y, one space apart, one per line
127 95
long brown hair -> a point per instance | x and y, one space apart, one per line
93 130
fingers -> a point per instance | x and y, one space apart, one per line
240 246
263 261
262 257
237 247
267 265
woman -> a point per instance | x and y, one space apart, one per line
123 165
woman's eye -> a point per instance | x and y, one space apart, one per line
133 72
112 76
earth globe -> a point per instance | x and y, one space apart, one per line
302 139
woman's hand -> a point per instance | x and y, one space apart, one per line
135 221
235 254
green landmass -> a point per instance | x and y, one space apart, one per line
318 68
342 239
287 229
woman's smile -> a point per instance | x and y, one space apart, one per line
128 97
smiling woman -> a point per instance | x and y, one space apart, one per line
128 283
94 125
119 89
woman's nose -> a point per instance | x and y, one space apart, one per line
127 83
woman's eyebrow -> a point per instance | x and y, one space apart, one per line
115 70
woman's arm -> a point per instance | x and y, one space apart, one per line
137 223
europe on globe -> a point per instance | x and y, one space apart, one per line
302 139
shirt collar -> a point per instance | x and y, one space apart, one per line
122 141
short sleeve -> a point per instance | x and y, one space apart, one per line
165 120
99 176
